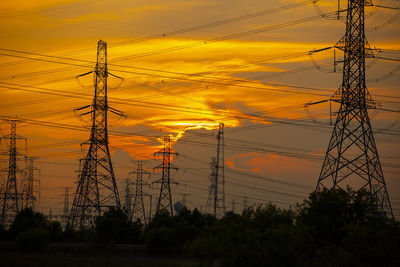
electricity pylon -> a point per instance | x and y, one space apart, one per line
97 189
352 157
29 198
209 208
216 190
11 198
138 210
220 172
165 198
66 206
127 198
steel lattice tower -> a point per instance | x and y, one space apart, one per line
11 198
165 198
352 157
212 188
66 207
220 167
97 189
28 191
138 210
216 190
127 198
220 172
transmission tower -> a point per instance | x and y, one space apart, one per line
127 198
11 198
245 203
138 210
66 206
216 190
165 198
212 189
352 157
97 189
29 198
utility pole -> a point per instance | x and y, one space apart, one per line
233 205
165 199
28 192
352 157
138 210
11 198
97 190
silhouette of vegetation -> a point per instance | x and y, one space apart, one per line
329 228
32 231
114 227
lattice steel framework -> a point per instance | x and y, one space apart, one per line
97 189
352 157
216 190
138 210
29 194
209 208
164 202
128 198
12 198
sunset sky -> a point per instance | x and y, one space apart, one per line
187 66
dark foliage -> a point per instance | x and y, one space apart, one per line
329 228
114 227
32 231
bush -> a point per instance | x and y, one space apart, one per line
204 248
27 219
114 227
34 239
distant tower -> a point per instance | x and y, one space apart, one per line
220 172
127 198
66 206
50 216
28 192
11 197
233 205
97 189
352 157
212 189
165 199
138 210
245 203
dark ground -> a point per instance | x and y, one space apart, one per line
81 254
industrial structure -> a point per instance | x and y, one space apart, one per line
216 190
12 198
30 196
97 189
352 157
138 211
164 203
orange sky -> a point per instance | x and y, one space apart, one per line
188 91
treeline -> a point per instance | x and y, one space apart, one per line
330 228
